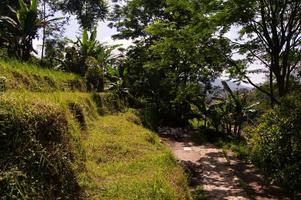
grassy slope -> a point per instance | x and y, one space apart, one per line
113 156
126 161
28 77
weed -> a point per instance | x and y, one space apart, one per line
199 193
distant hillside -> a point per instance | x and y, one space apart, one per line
233 86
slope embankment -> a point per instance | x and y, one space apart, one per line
58 141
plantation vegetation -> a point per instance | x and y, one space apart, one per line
81 119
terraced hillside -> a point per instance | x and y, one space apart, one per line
58 141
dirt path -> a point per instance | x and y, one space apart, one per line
222 177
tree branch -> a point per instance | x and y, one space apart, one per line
261 90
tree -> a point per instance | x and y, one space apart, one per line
86 57
270 32
88 12
54 52
134 16
131 18
77 52
54 29
175 63
238 109
18 32
20 27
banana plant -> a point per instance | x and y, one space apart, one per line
117 85
77 54
86 44
238 109
89 46
17 32
20 30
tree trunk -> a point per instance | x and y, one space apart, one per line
44 31
271 89
281 86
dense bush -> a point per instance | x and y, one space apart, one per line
35 153
94 75
277 144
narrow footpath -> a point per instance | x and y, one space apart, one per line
222 176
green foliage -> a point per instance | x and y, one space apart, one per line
133 17
94 75
53 52
149 117
88 12
239 147
276 144
237 110
88 58
176 60
18 32
199 194
77 56
115 75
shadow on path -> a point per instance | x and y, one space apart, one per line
255 183
225 178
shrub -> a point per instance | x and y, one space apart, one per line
277 144
94 75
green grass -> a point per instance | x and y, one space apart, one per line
115 158
239 148
127 161
29 77
80 142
